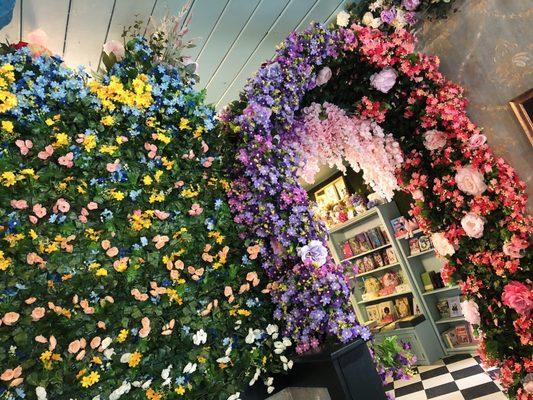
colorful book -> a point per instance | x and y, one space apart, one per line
426 281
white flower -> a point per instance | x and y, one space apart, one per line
146 384
40 392
269 383
166 372
384 80
120 391
224 360
189 368
253 334
287 364
235 396
343 18
369 20
106 342
200 337
442 245
314 251
256 376
272 330
473 225
125 358
281 346
108 353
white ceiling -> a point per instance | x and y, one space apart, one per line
233 36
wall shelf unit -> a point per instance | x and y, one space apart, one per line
422 336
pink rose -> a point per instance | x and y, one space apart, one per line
471 312
514 248
470 180
434 139
418 194
39 210
473 225
519 297
528 383
74 346
442 245
323 76
384 80
19 204
92 205
115 47
477 140
10 318
63 205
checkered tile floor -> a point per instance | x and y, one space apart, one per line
459 377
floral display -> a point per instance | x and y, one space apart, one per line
470 201
122 274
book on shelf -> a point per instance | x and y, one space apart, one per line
426 281
398 226
443 307
414 247
455 306
411 320
459 336
436 280
347 250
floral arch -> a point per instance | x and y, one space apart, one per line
325 83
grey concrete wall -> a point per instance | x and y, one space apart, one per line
487 47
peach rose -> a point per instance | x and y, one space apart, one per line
473 225
30 300
11 318
74 346
95 342
92 205
37 313
470 180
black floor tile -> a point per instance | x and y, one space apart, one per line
389 386
433 372
415 387
468 371
455 358
479 391
441 390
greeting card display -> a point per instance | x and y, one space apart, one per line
372 313
402 307
424 243
387 312
398 226
391 256
414 247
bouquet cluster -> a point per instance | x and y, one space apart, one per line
122 274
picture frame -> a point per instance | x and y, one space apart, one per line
455 306
522 107
391 255
398 225
424 243
372 313
387 312
402 307
414 247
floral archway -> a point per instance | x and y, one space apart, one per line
470 201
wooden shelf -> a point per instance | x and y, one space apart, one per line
367 252
384 297
350 222
450 320
376 270
407 235
440 290
432 250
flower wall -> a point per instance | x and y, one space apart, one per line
471 201
121 271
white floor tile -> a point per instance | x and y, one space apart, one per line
468 362
492 396
414 396
472 381
402 383
437 381
450 396
425 368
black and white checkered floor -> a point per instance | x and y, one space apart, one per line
459 377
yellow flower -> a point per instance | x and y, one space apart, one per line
163 138
184 123
201 359
180 390
109 149
7 126
108 120
28 172
89 142
246 313
62 140
49 122
135 359
147 180
122 336
8 178
160 197
117 195
4 261
150 122
7 101
157 175
90 379
151 394
96 360
198 132
94 265
33 234
188 193
101 272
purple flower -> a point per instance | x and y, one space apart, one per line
314 251
410 5
388 16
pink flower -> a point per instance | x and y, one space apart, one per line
418 194
162 215
514 248
11 318
115 47
442 245
434 139
19 204
113 167
47 152
66 160
384 80
323 76
471 312
24 146
470 180
62 205
519 297
473 225
196 209
39 210
92 205
74 346
528 383
477 140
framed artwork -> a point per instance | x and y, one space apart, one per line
387 311
522 107
332 192
373 313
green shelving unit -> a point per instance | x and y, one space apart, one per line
424 338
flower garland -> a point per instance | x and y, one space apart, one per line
470 200
121 272
328 136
